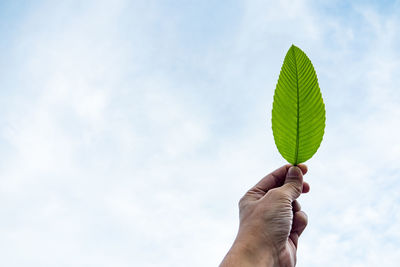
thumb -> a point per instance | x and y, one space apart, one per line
293 185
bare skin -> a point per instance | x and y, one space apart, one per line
271 221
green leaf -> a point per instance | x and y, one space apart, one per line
298 113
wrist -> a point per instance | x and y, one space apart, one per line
244 253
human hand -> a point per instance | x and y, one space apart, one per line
270 221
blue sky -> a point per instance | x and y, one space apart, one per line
130 129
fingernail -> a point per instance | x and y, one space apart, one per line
294 171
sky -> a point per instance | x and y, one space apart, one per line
129 130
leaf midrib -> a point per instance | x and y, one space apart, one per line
298 110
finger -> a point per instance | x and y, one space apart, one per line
293 185
300 221
306 187
303 168
272 180
296 206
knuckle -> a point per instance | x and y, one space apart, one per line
242 201
305 218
